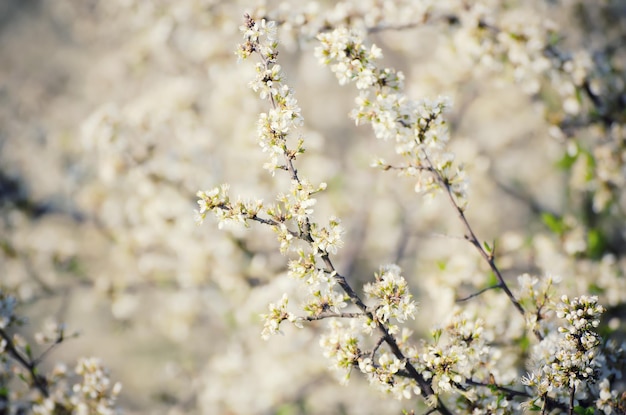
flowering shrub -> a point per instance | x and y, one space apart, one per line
389 270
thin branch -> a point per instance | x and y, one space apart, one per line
37 381
332 315
384 28
53 346
429 18
476 294
264 221
509 391
386 167
471 237
376 347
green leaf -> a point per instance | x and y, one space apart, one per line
492 280
591 165
554 223
595 244
286 409
487 247
524 344
8 249
554 39
436 335
567 161
595 289
583 411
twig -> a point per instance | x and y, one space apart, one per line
38 381
376 347
476 294
53 346
332 315
471 237
509 391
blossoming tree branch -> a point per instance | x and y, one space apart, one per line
456 371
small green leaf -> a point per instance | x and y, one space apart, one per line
436 335
583 411
595 289
566 162
554 223
569 158
524 344
492 280
595 244
487 247
286 409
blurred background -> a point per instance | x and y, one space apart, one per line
113 114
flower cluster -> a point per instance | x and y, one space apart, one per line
417 127
464 353
94 394
278 313
260 37
392 294
568 357
383 374
341 344
536 296
217 201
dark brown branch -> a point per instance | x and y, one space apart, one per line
510 392
473 239
38 381
376 347
476 294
